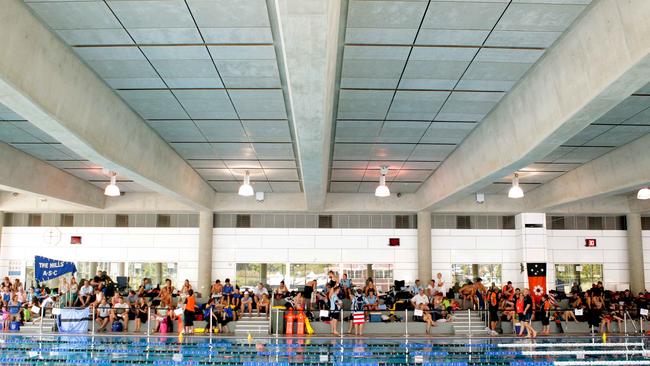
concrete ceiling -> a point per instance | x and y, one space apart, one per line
413 79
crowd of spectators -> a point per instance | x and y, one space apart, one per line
164 304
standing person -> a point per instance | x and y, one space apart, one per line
64 290
332 279
440 285
546 315
74 289
335 309
527 314
480 294
493 306
188 314
346 285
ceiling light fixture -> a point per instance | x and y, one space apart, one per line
515 191
112 190
644 193
382 190
246 189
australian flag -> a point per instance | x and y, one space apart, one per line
537 280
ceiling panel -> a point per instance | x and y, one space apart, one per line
178 131
447 132
357 131
268 130
416 105
259 104
539 17
285 187
364 104
154 104
206 104
222 130
468 106
402 131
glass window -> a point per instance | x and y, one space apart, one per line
299 274
489 273
250 274
138 271
584 274
382 274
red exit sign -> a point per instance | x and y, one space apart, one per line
393 242
590 243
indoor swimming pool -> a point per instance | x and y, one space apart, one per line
106 350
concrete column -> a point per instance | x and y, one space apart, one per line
424 247
159 274
264 273
121 269
635 253
93 270
369 272
204 277
2 222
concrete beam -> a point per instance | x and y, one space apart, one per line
307 35
618 171
129 203
599 61
45 82
23 173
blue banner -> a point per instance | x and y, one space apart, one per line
47 269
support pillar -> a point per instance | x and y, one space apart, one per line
369 272
424 247
93 270
635 253
264 273
204 277
2 222
159 274
121 269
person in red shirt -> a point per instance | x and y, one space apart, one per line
546 314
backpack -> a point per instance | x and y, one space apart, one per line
117 326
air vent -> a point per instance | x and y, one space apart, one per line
163 221
463 222
67 220
402 222
324 221
121 220
243 221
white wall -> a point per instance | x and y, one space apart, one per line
231 245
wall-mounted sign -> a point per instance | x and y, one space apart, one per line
393 242
75 240
590 243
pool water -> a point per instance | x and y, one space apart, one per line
86 350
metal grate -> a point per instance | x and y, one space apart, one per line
243 221
402 222
121 220
324 221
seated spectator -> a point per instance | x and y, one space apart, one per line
258 292
346 286
415 289
166 294
371 301
120 313
85 294
99 296
370 286
264 305
228 289
246 303
103 315
431 288
132 299
282 291
234 298
216 289
420 301
141 310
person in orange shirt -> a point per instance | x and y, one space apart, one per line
188 314
508 292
